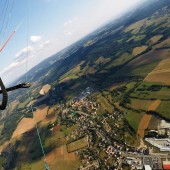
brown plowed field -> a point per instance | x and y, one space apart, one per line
161 73
59 158
60 154
24 125
27 124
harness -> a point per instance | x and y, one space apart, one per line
4 91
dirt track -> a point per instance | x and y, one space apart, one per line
154 105
144 123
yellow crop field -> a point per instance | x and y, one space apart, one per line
161 73
139 50
155 39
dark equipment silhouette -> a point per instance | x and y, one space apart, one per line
4 91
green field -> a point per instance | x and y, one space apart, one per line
55 161
120 60
140 104
164 109
24 104
105 103
133 119
130 85
149 91
141 65
79 144
136 38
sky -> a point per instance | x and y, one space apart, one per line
44 27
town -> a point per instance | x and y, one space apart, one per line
102 137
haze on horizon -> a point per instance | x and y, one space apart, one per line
50 26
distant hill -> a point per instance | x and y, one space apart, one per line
126 49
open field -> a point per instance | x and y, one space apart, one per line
1 127
24 125
161 73
164 109
72 73
120 60
57 137
162 94
61 152
41 113
89 43
135 26
145 121
23 104
134 118
78 71
165 43
27 124
154 105
79 144
139 50
67 79
91 70
45 89
143 125
155 39
14 104
144 24
151 91
4 146
102 60
140 104
136 38
130 85
31 103
51 110
162 77
105 104
59 158
143 64
29 151
115 86
50 118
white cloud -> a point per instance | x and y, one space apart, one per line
71 21
35 39
13 71
68 33
22 53
18 66
9 67
45 44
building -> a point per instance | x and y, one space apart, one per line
164 125
163 144
154 162
147 167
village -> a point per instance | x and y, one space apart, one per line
103 148
98 139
